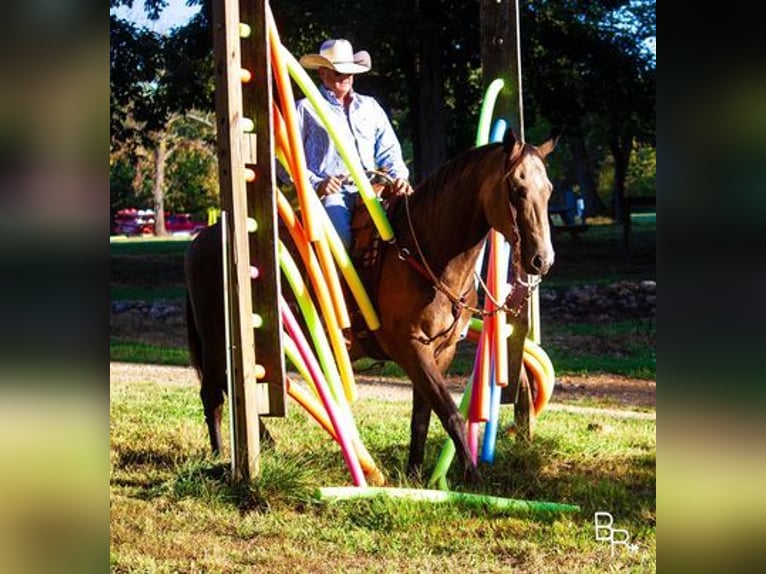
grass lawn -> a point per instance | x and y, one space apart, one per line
172 508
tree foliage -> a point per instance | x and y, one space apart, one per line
585 64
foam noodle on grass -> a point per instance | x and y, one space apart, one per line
510 505
447 453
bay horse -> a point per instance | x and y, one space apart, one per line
425 292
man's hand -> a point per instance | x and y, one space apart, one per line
330 185
402 187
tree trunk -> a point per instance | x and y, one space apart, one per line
584 176
621 148
430 133
160 155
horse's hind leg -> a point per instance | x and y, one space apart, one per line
421 418
211 394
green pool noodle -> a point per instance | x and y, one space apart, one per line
511 505
314 324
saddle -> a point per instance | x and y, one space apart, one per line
366 254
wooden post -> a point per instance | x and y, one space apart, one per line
231 166
236 151
262 206
501 58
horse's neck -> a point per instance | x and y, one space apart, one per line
450 228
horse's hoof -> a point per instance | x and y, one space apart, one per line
471 475
415 474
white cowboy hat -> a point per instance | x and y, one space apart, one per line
338 55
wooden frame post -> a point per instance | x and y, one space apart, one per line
501 58
237 150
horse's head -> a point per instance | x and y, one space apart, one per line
519 208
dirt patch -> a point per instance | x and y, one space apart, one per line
163 323
599 391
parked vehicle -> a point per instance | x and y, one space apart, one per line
141 222
183 224
133 222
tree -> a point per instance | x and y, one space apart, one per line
588 71
153 82
585 69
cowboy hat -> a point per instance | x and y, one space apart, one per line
338 55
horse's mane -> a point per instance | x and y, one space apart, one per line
450 172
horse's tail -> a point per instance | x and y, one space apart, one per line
195 342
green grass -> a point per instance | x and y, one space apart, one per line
632 352
121 245
133 352
173 508
622 348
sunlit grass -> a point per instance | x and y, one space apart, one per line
134 352
173 508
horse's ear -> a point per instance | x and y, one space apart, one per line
511 144
550 144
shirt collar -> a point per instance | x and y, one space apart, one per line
330 96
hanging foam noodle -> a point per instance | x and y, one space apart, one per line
313 322
311 202
337 340
336 245
285 90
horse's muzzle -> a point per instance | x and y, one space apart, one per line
540 264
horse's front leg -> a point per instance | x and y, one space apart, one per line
421 418
426 376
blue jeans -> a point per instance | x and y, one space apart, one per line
340 208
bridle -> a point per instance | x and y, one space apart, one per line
507 306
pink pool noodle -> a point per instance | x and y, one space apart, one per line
347 448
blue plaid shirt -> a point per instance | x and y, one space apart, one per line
366 129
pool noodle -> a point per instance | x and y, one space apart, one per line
490 428
314 325
447 453
285 90
336 493
337 418
337 341
316 410
487 107
294 356
501 250
309 204
336 245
